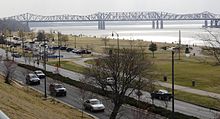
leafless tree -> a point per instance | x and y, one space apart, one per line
212 43
9 68
83 92
118 73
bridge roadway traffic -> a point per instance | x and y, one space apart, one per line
180 106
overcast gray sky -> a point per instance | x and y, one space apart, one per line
82 7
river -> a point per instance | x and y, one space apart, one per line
170 33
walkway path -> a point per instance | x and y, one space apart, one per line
167 85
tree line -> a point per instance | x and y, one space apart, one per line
13 25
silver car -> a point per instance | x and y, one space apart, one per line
93 105
32 79
40 74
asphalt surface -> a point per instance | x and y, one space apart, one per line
74 98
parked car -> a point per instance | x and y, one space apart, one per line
161 95
57 89
40 74
32 78
82 51
55 48
74 51
69 49
16 55
93 105
63 48
54 56
88 51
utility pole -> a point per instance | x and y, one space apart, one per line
75 40
179 43
45 79
117 40
59 47
172 84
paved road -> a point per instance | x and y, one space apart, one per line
180 106
74 98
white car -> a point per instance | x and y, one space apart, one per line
40 74
57 89
110 81
93 105
32 79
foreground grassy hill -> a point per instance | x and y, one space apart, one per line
23 103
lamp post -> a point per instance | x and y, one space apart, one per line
45 79
172 84
58 39
7 52
13 48
75 40
58 44
117 40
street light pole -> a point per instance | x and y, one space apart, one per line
45 79
172 84
117 40
75 40
13 53
59 47
179 43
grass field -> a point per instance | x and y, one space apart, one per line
204 73
23 103
69 65
204 101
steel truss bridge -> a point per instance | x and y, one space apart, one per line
157 18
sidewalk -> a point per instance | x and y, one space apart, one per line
168 85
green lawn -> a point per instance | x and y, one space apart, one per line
69 66
198 99
206 75
202 70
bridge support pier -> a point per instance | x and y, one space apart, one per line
157 23
27 24
206 24
153 24
161 24
216 23
101 25
211 23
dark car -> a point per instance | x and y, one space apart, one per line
16 55
86 51
63 48
83 51
161 95
55 48
79 51
69 49
57 89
